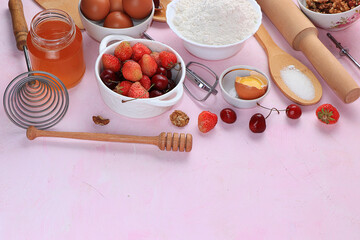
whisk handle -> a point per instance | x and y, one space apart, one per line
163 141
19 23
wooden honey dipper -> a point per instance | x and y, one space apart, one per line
168 141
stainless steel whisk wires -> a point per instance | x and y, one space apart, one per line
33 98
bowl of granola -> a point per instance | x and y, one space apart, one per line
331 15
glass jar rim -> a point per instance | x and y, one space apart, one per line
52 14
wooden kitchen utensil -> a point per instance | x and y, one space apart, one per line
71 7
301 34
160 14
175 142
278 60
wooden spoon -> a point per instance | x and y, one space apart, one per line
278 60
160 14
168 141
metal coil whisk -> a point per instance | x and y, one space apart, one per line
36 98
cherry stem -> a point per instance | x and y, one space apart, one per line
271 109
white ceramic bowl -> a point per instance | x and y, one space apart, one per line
139 108
331 22
227 86
96 30
209 52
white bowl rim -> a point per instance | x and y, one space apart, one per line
244 67
172 91
326 14
170 24
143 21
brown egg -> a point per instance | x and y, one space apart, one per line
137 9
116 5
250 87
95 9
118 20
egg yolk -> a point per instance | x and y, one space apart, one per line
250 81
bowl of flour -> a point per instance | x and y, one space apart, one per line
213 29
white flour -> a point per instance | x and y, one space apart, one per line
215 22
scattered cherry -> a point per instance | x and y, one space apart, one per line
109 78
293 111
160 81
257 123
228 115
155 93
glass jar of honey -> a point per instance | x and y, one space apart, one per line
55 46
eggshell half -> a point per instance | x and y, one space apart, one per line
250 87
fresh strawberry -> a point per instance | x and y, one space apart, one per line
123 87
148 65
327 113
111 62
131 71
168 59
138 91
139 50
156 56
207 121
145 82
123 51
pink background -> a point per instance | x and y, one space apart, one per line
298 180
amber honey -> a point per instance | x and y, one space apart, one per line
55 46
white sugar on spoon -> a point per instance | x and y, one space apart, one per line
298 82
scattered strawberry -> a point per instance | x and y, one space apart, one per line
131 71
148 65
156 56
139 50
207 121
123 51
123 87
168 59
111 62
138 91
145 82
327 113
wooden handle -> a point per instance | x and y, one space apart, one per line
19 23
164 141
329 68
265 40
288 19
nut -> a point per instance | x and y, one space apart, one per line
98 120
179 118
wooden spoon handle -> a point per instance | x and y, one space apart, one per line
163 141
19 23
265 40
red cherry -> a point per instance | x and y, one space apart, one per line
257 123
228 115
163 71
293 111
160 81
109 78
155 93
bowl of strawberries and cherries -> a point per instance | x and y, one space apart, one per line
139 78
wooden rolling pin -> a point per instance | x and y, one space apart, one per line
301 34
175 142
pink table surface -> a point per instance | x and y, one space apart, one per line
298 180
